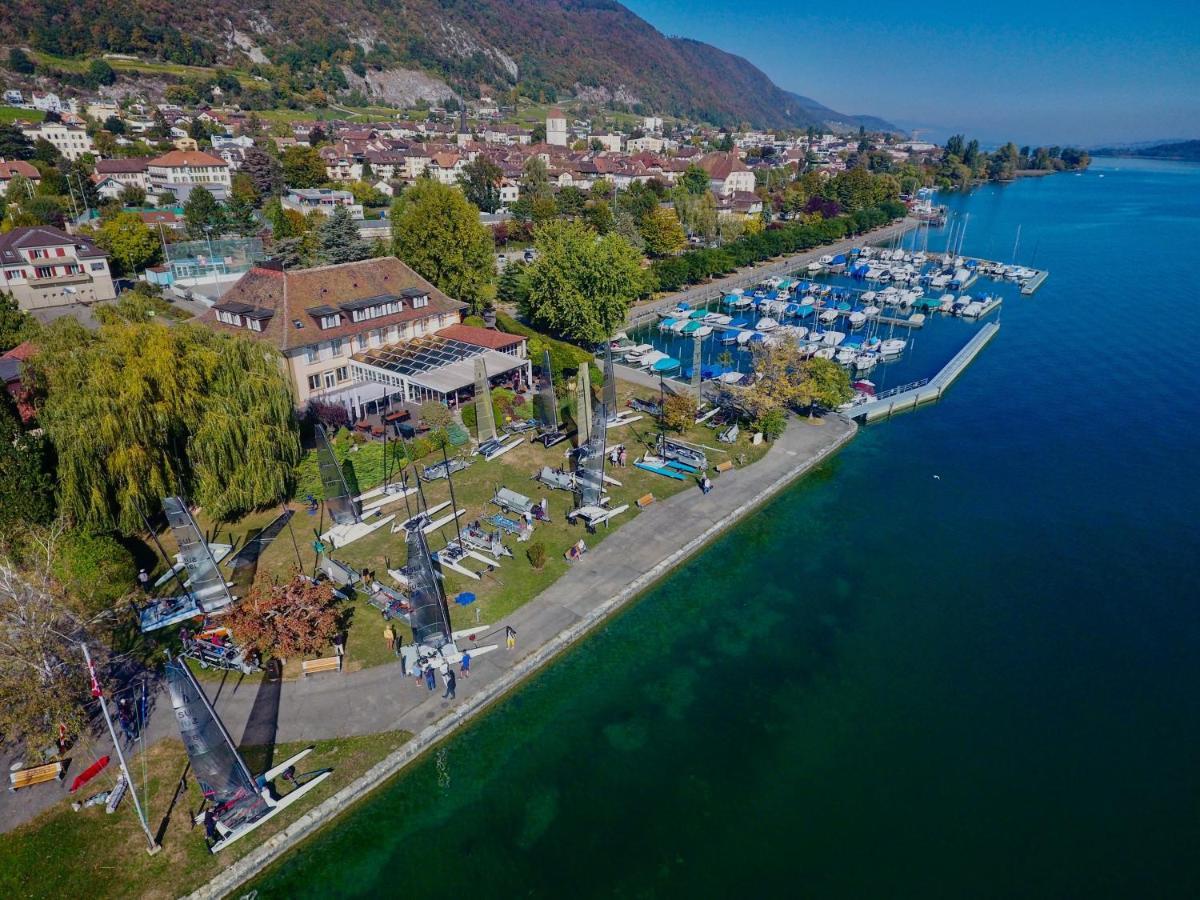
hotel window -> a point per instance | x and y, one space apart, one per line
330 380
96 267
341 374
361 340
254 324
419 302
44 271
335 346
311 355
314 382
331 321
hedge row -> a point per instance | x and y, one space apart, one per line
696 266
565 359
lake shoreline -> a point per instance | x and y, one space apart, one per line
697 519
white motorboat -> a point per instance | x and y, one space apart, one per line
865 361
917 319
825 353
828 316
871 312
716 318
857 319
814 267
799 332
846 356
892 347
868 297
651 358
972 309
946 303
766 324
825 260
743 337
832 338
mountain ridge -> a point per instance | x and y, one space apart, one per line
542 49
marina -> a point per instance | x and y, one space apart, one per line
900 316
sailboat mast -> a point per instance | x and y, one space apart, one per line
98 693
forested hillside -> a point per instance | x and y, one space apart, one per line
542 49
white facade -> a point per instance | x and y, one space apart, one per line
556 129
68 140
322 200
610 142
43 267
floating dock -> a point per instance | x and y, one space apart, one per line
1035 282
910 396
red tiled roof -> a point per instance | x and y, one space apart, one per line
481 337
9 168
291 296
180 158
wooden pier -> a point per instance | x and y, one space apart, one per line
911 396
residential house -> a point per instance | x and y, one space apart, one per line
180 172
322 200
122 173
648 143
102 110
71 141
12 364
322 318
47 102
445 166
610 142
9 168
13 97
727 174
44 267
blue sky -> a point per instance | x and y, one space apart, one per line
1038 73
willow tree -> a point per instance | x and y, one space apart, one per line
139 410
246 447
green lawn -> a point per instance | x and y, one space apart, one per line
90 854
514 582
149 67
10 114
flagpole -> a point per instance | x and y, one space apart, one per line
98 693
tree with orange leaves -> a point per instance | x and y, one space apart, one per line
294 618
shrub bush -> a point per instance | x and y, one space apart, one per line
95 568
537 555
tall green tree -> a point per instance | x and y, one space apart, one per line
535 180
303 167
580 286
480 181
129 242
26 479
437 232
694 180
137 411
202 215
16 325
662 232
338 240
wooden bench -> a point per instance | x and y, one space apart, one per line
644 500
725 466
328 664
35 775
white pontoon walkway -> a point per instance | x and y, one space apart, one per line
924 392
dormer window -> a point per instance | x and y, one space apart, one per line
229 318
331 321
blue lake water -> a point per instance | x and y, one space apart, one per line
887 684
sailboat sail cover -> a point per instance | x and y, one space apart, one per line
590 472
547 403
337 493
485 416
217 766
610 382
207 585
429 615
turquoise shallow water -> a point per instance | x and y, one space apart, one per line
886 684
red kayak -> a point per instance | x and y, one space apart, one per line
89 773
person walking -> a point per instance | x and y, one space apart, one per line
144 581
339 644
510 637
389 636
430 681
464 668
451 684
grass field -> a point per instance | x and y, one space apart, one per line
511 584
146 67
90 854
10 114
